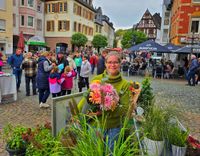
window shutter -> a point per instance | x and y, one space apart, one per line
45 8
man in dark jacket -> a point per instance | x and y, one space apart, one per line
192 69
101 62
16 61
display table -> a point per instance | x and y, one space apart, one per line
8 85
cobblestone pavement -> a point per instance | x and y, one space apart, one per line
26 111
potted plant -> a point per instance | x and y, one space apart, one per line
178 139
153 127
13 136
146 98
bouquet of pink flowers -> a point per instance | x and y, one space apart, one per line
103 96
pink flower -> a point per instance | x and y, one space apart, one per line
94 86
108 88
107 102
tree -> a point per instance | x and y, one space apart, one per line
99 41
79 39
133 37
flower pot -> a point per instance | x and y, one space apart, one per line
16 152
178 151
153 148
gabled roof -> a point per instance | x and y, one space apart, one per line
157 20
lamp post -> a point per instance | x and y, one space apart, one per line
192 43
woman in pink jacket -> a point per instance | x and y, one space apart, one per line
67 85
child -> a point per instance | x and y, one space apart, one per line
67 85
55 82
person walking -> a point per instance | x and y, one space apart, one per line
84 74
192 69
44 68
101 62
15 62
93 62
29 65
78 62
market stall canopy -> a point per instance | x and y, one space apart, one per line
36 40
187 49
172 47
150 45
21 40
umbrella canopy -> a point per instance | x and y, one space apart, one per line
150 45
172 47
187 49
21 40
36 40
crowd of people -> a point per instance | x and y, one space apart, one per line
53 73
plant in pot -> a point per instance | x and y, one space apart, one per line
178 139
13 136
146 98
153 128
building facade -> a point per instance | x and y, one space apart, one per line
150 25
166 20
6 26
185 20
63 18
28 17
108 30
98 23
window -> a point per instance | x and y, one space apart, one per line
39 24
63 25
60 7
50 25
75 25
53 7
195 25
79 27
196 1
30 3
79 10
39 7
48 8
22 20
14 20
2 25
30 21
3 4
96 28
167 14
166 21
22 2
65 6
75 9
14 3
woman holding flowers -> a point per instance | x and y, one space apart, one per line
109 98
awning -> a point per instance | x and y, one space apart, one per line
150 45
36 40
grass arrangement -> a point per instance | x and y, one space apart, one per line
91 141
176 135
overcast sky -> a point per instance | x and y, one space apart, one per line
125 13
